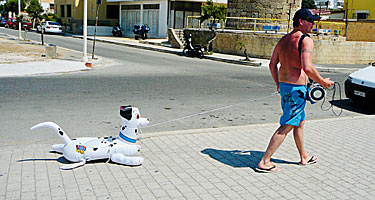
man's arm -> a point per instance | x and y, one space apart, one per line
307 65
273 66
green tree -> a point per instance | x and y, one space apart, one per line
52 17
310 4
212 11
35 10
12 6
2 10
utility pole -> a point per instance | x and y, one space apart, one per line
84 31
289 14
346 19
290 9
19 22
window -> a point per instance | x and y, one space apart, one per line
62 10
68 10
130 7
151 6
113 12
362 16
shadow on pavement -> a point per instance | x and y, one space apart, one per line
238 159
61 160
347 104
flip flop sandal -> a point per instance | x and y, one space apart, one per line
311 161
267 170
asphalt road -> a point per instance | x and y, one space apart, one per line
164 87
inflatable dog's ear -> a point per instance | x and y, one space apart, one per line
126 112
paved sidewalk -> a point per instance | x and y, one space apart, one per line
206 164
27 58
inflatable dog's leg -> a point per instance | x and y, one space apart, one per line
127 150
75 165
58 148
126 160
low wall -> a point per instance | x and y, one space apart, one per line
361 30
100 30
327 50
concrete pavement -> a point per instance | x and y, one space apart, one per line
206 164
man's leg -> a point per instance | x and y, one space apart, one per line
275 142
298 139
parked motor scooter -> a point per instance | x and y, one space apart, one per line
193 50
116 31
140 32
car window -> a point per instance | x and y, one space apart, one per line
53 23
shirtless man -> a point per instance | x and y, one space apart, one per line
291 80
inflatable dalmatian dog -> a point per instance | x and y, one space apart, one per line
118 149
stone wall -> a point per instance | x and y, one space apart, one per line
362 30
276 9
327 50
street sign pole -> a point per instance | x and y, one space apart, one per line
84 30
98 2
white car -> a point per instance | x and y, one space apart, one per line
49 27
360 85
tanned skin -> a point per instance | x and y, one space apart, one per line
294 69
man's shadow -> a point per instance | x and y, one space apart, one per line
240 159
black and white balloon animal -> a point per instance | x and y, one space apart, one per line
121 149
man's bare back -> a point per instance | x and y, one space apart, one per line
290 60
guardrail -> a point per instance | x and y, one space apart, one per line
265 25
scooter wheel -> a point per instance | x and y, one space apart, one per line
186 52
200 54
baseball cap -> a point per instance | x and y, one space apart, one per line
305 13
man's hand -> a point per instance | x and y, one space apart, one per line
327 83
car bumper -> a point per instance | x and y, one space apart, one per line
52 31
359 92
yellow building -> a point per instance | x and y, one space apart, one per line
71 13
360 9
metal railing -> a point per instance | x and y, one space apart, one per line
264 25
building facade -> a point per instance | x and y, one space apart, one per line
158 15
71 13
357 9
329 4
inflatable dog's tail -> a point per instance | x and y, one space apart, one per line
56 128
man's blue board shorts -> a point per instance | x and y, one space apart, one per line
293 101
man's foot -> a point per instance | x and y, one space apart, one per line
312 160
273 168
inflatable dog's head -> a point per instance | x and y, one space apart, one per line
131 122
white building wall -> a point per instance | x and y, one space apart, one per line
333 4
163 24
